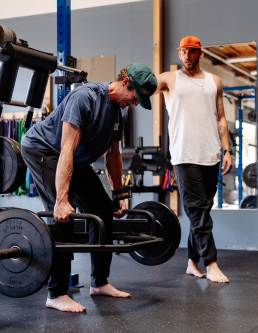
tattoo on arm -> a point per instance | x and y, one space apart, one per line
222 130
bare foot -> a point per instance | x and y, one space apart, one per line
108 290
64 303
193 269
214 273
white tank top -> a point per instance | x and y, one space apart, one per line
193 127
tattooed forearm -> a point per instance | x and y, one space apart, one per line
222 130
223 133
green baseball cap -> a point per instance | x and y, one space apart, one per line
144 82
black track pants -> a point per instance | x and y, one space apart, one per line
88 195
197 187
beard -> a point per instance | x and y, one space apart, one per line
190 66
123 102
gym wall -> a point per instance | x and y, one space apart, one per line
126 31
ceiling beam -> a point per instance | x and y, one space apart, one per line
224 61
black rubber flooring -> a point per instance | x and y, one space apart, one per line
164 300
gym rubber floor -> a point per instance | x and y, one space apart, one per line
164 300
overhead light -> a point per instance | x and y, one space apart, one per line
241 59
253 72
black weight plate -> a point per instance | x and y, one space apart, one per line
5 208
250 175
12 166
251 116
21 174
168 228
25 275
249 202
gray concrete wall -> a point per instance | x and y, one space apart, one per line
233 229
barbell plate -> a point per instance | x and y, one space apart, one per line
251 116
25 275
22 168
249 202
250 175
12 166
167 227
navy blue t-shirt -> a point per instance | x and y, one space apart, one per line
87 107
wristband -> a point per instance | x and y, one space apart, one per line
227 151
121 194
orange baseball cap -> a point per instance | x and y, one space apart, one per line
190 42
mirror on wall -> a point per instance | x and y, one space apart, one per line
236 65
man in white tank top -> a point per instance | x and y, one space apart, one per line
197 130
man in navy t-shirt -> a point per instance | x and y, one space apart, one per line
59 151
